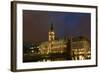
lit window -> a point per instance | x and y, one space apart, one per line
75 57
81 57
32 51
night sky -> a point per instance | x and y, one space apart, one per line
36 25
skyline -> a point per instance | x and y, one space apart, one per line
37 24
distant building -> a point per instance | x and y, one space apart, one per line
57 46
80 48
52 45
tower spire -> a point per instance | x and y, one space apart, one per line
51 33
52 27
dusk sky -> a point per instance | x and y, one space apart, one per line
36 24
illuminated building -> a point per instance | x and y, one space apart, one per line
80 48
52 45
58 46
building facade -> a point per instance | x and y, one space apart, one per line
52 45
80 48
